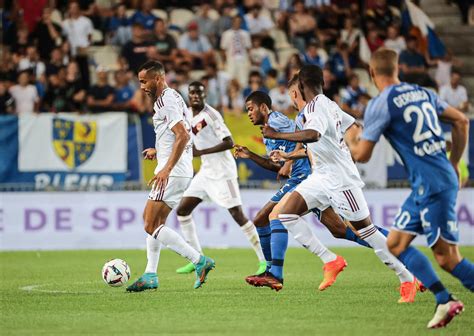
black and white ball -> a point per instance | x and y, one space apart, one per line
116 272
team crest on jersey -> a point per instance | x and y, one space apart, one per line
199 126
74 141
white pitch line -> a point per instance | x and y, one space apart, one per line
36 288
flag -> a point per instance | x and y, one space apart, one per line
417 18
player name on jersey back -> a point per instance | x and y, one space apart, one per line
170 109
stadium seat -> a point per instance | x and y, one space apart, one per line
280 39
181 17
213 14
105 55
160 13
284 55
97 36
364 81
130 12
196 75
56 16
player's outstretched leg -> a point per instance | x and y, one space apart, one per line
447 306
333 264
250 231
149 280
188 228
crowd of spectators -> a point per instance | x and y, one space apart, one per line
234 47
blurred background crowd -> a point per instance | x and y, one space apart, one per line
82 56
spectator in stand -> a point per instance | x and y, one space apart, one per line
78 29
233 101
217 82
123 91
315 55
119 27
271 79
328 27
56 61
47 34
22 41
207 25
195 47
330 88
350 35
444 66
8 67
100 97
281 100
145 17
382 15
394 40
413 65
25 95
31 11
235 45
260 58
212 97
374 40
293 65
7 102
255 84
76 90
165 44
454 93
134 53
224 22
258 23
350 96
31 61
56 98
340 63
302 26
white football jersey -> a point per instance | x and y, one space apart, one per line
170 109
209 130
330 157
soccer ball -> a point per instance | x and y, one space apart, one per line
116 272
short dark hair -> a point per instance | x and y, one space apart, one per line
196 83
152 66
311 76
293 80
259 98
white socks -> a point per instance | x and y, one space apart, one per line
175 242
379 243
188 228
153 248
251 233
304 235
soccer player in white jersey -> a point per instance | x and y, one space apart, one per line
173 150
216 181
334 181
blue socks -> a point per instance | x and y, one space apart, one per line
264 233
279 244
464 271
418 264
350 235
382 230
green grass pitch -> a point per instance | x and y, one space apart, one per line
62 293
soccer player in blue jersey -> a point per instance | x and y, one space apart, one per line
273 235
408 116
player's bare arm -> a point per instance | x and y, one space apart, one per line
226 144
459 133
361 149
298 136
279 155
182 138
243 152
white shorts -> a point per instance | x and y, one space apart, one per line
224 193
173 191
348 203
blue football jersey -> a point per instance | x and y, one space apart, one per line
281 123
407 115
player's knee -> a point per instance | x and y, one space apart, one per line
444 261
260 220
182 211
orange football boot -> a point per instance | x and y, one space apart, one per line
331 271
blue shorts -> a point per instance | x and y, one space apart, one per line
289 186
434 216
